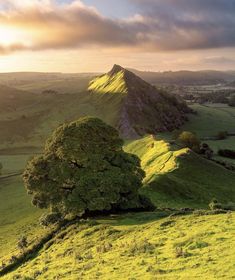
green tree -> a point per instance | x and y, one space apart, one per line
189 140
84 169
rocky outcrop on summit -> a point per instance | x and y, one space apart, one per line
143 109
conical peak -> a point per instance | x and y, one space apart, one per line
116 68
119 80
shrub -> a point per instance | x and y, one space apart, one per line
84 170
206 151
22 243
179 252
214 204
189 140
141 247
222 135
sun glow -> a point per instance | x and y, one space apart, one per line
10 36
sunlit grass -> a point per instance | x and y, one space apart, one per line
139 246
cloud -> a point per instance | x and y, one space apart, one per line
191 24
159 25
12 48
218 60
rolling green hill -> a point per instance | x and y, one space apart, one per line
179 177
137 246
29 114
175 178
17 218
142 108
207 77
211 119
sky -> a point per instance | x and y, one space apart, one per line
92 35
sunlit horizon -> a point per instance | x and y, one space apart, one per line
90 36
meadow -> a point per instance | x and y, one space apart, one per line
142 245
138 246
209 121
150 245
18 217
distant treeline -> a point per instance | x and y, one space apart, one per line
225 97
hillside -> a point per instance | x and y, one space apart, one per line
137 246
151 242
36 81
232 84
142 108
207 77
31 112
179 177
174 178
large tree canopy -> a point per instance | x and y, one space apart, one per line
84 169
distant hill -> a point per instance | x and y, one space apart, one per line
142 108
31 111
38 81
232 84
207 77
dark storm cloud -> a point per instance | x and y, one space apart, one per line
159 25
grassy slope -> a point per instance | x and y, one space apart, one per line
13 163
139 246
30 123
171 177
17 218
62 86
211 119
181 178
108 84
